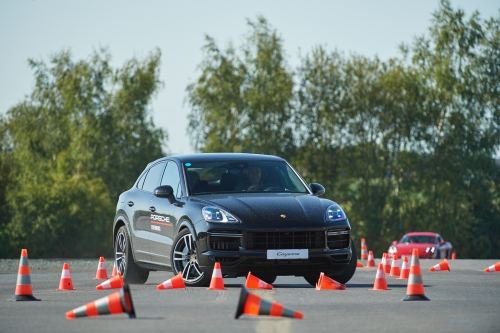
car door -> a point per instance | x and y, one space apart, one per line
163 219
140 201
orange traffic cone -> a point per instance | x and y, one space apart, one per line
113 273
371 260
114 283
386 263
415 290
66 283
253 305
493 268
364 252
453 256
24 291
116 303
101 273
326 283
442 266
254 282
359 264
217 282
176 282
380 282
395 266
405 269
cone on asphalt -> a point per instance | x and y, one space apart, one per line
359 264
24 291
395 271
405 269
254 282
116 303
380 282
386 263
253 305
177 282
493 268
326 283
101 273
113 273
115 282
371 260
217 282
442 266
364 250
415 290
453 256
66 283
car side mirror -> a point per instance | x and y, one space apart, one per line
317 189
165 191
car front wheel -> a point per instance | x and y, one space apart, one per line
184 260
124 260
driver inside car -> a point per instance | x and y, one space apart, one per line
251 181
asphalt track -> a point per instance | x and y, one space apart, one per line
464 300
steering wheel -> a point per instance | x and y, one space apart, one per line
270 188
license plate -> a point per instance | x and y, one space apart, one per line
288 254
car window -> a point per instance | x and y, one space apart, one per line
171 177
140 182
153 177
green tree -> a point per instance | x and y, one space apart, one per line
78 140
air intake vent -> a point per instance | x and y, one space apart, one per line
285 240
338 239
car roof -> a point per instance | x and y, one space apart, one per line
209 157
421 233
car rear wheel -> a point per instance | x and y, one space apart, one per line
184 259
125 263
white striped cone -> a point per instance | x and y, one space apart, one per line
395 267
371 260
405 269
493 268
364 250
66 283
415 289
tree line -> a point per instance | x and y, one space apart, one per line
406 144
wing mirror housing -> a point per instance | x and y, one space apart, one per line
165 191
317 189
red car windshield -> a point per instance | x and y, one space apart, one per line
419 239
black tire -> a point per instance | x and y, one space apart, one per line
124 260
267 278
438 254
184 259
345 276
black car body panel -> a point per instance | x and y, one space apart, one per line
280 219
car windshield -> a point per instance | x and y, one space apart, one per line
419 239
239 177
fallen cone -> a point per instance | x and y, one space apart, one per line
101 273
415 290
442 266
113 283
24 291
493 268
253 305
395 266
326 283
66 283
177 282
405 269
217 282
371 260
380 282
119 302
254 282
359 264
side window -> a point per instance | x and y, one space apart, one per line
153 177
141 180
171 177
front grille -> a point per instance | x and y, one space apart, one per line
220 241
338 239
285 240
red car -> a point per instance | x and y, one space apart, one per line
429 244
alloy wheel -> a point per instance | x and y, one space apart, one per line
186 259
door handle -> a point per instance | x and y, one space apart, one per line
130 203
152 209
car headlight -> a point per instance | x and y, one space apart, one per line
213 214
393 249
430 249
334 213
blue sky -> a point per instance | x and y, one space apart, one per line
38 28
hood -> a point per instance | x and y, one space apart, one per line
250 208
